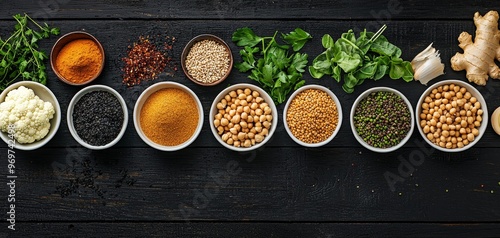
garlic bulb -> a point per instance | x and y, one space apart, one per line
427 65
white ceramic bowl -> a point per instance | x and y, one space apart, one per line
267 99
71 107
339 110
361 141
145 95
45 94
474 92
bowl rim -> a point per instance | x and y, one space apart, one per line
339 111
54 122
187 49
77 97
266 98
360 140
59 41
145 95
474 92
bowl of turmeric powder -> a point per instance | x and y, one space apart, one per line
77 58
168 116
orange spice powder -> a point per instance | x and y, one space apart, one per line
169 116
79 60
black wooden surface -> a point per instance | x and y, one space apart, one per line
281 190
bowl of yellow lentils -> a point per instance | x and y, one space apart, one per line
312 116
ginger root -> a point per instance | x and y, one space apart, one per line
479 57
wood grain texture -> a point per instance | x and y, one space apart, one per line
244 229
272 184
280 190
380 10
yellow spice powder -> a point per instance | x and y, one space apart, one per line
169 117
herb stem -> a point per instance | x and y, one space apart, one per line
378 33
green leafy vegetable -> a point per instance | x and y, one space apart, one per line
369 56
19 53
273 65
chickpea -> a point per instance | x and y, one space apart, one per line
475 132
241 136
216 122
470 137
247 143
225 137
233 131
255 94
239 109
426 129
247 91
236 119
232 94
224 122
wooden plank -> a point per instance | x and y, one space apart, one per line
411 36
231 229
378 10
273 184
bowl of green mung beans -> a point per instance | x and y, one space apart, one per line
382 119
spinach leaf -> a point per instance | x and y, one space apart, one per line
355 59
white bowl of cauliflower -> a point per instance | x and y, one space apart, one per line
29 115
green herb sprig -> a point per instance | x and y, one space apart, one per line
272 65
19 54
370 56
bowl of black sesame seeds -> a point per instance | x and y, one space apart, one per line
97 117
382 119
207 60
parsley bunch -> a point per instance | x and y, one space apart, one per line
272 64
19 54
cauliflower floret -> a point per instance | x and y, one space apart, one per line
28 113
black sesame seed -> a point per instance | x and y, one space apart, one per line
98 118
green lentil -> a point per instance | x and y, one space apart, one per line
382 119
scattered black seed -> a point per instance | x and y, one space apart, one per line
125 178
83 176
98 118
382 119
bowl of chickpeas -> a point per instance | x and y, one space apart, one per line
243 117
451 115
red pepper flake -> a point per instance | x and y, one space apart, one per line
146 61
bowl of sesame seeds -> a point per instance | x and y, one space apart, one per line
312 116
97 117
207 60
382 119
